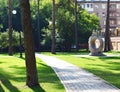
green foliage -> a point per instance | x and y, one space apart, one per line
16 18
86 24
4 39
46 42
45 13
15 4
3 3
3 18
65 22
65 35
65 25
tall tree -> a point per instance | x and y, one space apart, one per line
53 27
38 24
76 28
65 23
107 34
31 71
68 4
10 49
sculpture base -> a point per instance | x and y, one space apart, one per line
96 54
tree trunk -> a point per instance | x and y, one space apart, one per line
53 29
38 25
31 71
76 28
10 49
107 34
68 4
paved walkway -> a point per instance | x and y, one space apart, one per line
76 79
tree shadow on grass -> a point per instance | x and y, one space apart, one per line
73 53
23 58
112 63
108 71
8 85
109 57
108 68
109 76
1 89
37 89
45 74
5 82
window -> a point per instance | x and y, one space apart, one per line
103 13
91 5
113 14
96 6
112 22
97 14
103 6
118 22
87 5
104 23
117 14
118 6
112 7
82 6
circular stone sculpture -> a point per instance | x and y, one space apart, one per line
95 45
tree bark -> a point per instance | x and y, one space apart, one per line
68 4
53 29
38 25
31 71
107 34
76 27
10 49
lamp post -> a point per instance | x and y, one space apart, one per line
20 41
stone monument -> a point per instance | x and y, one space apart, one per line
96 45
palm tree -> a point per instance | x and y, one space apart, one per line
53 28
10 49
31 71
107 34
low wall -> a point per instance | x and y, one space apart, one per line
115 41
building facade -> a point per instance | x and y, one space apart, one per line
99 7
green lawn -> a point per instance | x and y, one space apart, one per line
13 76
107 68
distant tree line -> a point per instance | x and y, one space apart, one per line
65 20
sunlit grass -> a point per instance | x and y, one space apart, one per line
13 76
107 67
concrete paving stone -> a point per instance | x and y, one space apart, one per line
76 79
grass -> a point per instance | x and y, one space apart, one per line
108 68
13 76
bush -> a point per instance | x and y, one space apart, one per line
4 40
